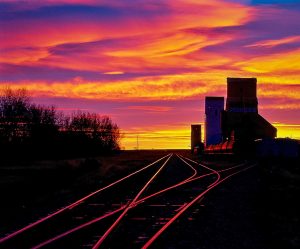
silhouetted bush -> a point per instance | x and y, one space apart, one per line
28 130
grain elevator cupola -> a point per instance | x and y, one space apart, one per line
241 116
241 95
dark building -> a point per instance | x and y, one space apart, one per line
240 118
195 137
214 106
240 123
241 95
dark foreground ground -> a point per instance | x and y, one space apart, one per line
256 209
33 189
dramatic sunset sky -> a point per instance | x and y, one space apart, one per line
149 63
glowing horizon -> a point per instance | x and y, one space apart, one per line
149 64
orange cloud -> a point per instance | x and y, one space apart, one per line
284 62
159 137
114 73
165 29
279 91
166 87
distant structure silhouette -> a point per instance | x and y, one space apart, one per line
214 106
241 95
239 122
241 116
196 144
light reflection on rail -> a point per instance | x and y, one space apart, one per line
164 223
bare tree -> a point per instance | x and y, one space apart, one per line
14 114
28 128
43 123
99 129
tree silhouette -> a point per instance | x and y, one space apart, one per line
29 129
43 125
98 129
14 115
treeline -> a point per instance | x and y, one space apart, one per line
28 130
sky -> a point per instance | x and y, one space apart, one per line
148 64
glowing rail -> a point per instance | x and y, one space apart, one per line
7 237
138 202
171 221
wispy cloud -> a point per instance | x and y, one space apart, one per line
276 42
147 108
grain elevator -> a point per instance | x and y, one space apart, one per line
214 106
240 121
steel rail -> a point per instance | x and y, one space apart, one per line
186 207
131 204
222 170
214 171
66 233
77 228
189 179
76 203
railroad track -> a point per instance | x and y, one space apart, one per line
133 212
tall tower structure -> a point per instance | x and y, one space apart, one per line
214 106
195 136
241 95
241 116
